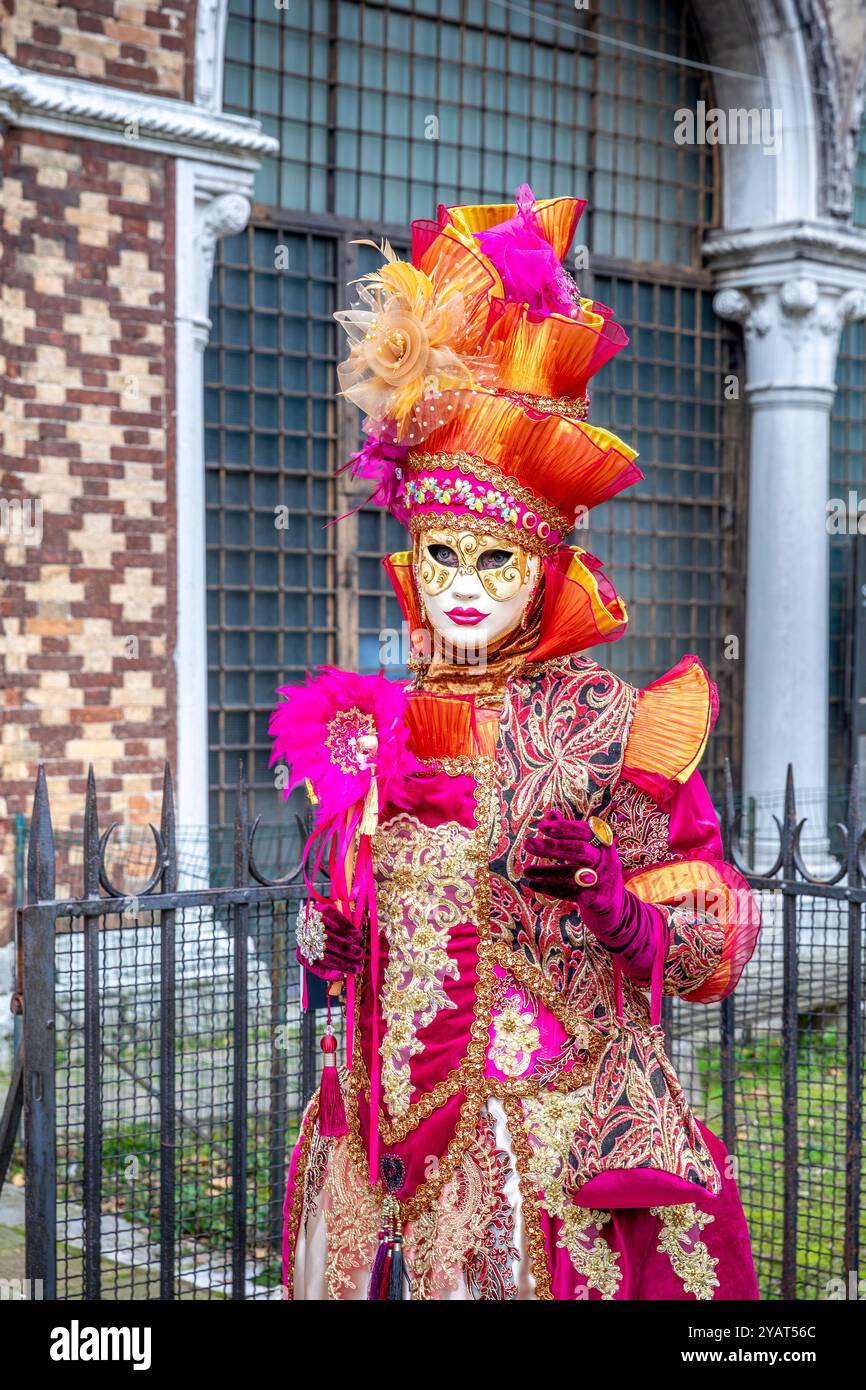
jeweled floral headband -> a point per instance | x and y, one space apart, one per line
461 487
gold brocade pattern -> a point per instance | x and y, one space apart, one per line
426 880
679 1239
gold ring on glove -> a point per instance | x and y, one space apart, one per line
585 878
602 834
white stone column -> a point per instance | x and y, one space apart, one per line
793 289
211 202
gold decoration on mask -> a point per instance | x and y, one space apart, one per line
501 583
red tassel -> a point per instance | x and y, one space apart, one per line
332 1112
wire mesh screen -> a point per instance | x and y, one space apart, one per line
760 1100
673 544
386 107
270 416
847 485
272 1059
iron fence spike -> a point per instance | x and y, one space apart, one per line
91 837
40 850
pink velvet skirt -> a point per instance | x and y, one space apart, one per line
491 1238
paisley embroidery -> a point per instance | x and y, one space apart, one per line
561 744
639 1117
642 828
515 1038
697 946
426 885
679 1239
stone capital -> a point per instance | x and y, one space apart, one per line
793 288
792 329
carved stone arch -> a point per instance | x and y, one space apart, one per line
837 139
856 115
760 58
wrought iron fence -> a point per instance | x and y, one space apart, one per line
164 1064
166 1060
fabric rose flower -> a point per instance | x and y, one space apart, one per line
406 350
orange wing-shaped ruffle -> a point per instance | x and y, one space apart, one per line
716 936
671 725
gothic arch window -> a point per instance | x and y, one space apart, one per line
384 108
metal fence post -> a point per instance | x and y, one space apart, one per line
167 1049
40 1142
790 1045
240 923
727 1057
854 1039
92 1057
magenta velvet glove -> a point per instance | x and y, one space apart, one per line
329 944
622 923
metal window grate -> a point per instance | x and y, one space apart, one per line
672 544
860 180
847 474
270 434
382 109
348 88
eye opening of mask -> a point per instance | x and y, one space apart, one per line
494 559
442 554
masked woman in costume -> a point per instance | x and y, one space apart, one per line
548 865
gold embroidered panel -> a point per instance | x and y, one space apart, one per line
426 886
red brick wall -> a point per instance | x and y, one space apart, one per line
146 45
87 614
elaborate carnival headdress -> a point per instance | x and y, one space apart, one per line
473 363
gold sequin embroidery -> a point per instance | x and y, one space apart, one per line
515 1038
426 885
679 1239
591 1256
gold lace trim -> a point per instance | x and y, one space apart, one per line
571 407
679 1239
352 1220
481 526
529 1201
308 1124
592 1257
